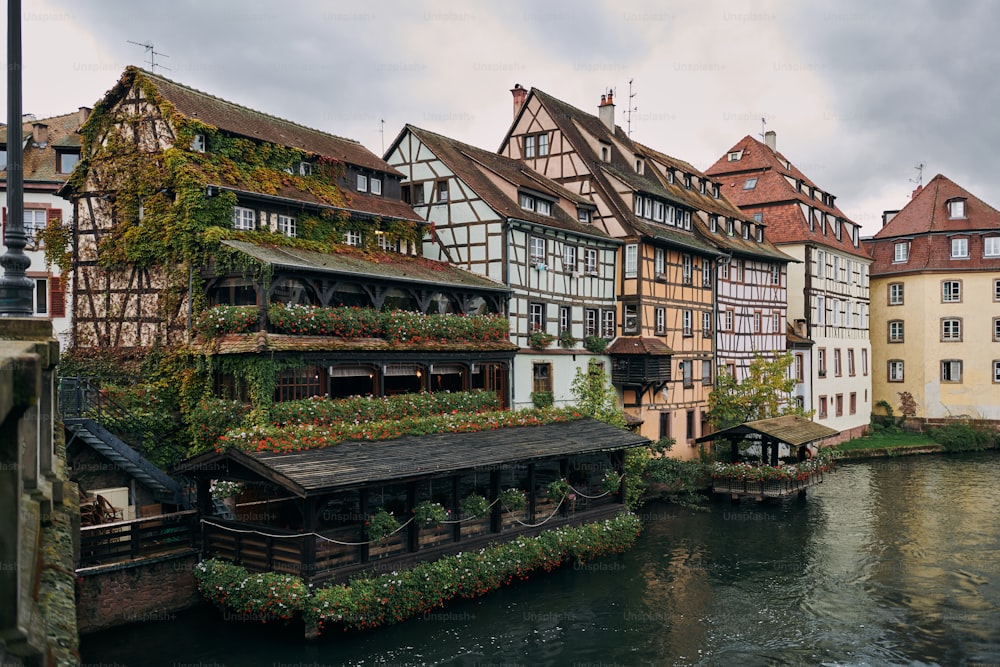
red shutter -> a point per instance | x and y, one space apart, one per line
57 297
53 214
4 224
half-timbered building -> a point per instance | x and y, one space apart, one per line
828 287
497 217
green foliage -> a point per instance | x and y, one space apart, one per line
558 490
540 340
636 460
512 500
886 439
679 478
611 482
595 344
965 434
566 339
474 505
428 514
364 409
221 320
542 399
210 419
596 396
381 525
886 423
264 596
57 238
766 392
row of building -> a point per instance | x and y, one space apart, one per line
591 243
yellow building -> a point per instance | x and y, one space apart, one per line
935 305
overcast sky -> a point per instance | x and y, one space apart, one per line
858 92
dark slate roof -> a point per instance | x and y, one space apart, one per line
776 198
639 345
394 266
40 162
254 124
925 223
791 429
481 169
350 464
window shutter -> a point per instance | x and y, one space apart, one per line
4 222
53 216
57 297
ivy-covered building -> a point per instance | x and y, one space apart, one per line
199 221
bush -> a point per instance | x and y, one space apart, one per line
542 399
595 344
381 525
474 505
965 434
210 419
261 596
370 408
220 320
540 340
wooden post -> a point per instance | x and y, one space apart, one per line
496 511
308 562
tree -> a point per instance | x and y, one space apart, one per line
765 392
595 396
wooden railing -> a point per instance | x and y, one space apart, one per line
122 541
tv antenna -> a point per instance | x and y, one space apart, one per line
631 108
763 124
381 131
152 53
920 175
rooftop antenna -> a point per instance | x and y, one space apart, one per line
920 175
763 123
631 108
152 53
381 131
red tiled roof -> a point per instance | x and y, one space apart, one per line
778 200
925 224
40 162
639 345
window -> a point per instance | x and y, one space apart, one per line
40 297
895 370
659 262
565 320
658 209
800 376
536 317
991 246
537 250
959 248
604 153
775 274
996 328
686 264
895 294
661 321
839 403
956 208
836 362
299 383
352 238
541 377
34 222
198 143
996 290
822 407
854 402
864 361
706 272
760 231
243 218
583 215
750 184
631 323
821 361
776 323
686 318
706 371
706 324
590 261
738 270
759 217
951 371
536 145
3 157
951 329
543 145
638 166
590 322
756 323
730 227
442 191
569 258
631 260
362 183
529 146
820 264
286 225
608 324
821 310
735 156
951 291
375 184
386 242
835 312
66 160
901 252
895 331
727 320
687 373
745 226
713 223
850 362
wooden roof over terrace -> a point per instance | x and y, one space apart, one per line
318 472
792 430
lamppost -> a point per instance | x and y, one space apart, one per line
15 287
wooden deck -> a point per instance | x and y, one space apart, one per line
761 489
147 537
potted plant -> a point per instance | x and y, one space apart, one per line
474 505
512 499
595 344
558 490
428 514
381 525
566 339
542 399
611 482
540 340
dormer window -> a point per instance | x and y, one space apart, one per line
713 223
956 208
735 156
605 153
716 190
658 208
305 168
758 217
198 143
746 229
702 186
362 183
991 246
730 227
670 176
760 234
243 218
540 206
687 181
638 166
901 251
959 248
375 185
750 184
583 215
66 160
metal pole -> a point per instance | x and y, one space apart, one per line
15 287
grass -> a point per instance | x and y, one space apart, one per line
886 441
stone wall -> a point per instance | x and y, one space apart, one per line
144 591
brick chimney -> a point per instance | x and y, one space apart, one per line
520 95
916 191
771 139
82 115
40 135
606 111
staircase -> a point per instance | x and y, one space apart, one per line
85 411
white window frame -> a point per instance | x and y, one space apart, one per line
686 269
659 262
287 225
996 371
901 252
569 258
529 146
706 324
991 246
543 207
608 323
750 183
896 295
352 237
362 183
590 262
592 322
951 329
661 320
631 260
820 310
37 222
543 144
895 370
537 248
960 248
956 208
687 322
820 264
951 295
536 316
896 331
375 185
244 218
630 318
706 272
755 323
951 370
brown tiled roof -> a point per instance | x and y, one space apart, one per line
794 338
395 266
639 345
480 169
247 122
778 200
40 163
924 222
790 429
269 342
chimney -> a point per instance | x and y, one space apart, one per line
82 115
916 191
40 135
520 95
800 328
606 112
887 217
771 139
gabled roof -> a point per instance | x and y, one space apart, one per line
628 345
480 169
40 161
790 429
777 197
925 224
393 266
253 124
351 464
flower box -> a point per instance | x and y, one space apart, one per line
390 546
475 527
432 537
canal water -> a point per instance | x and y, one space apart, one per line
889 562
